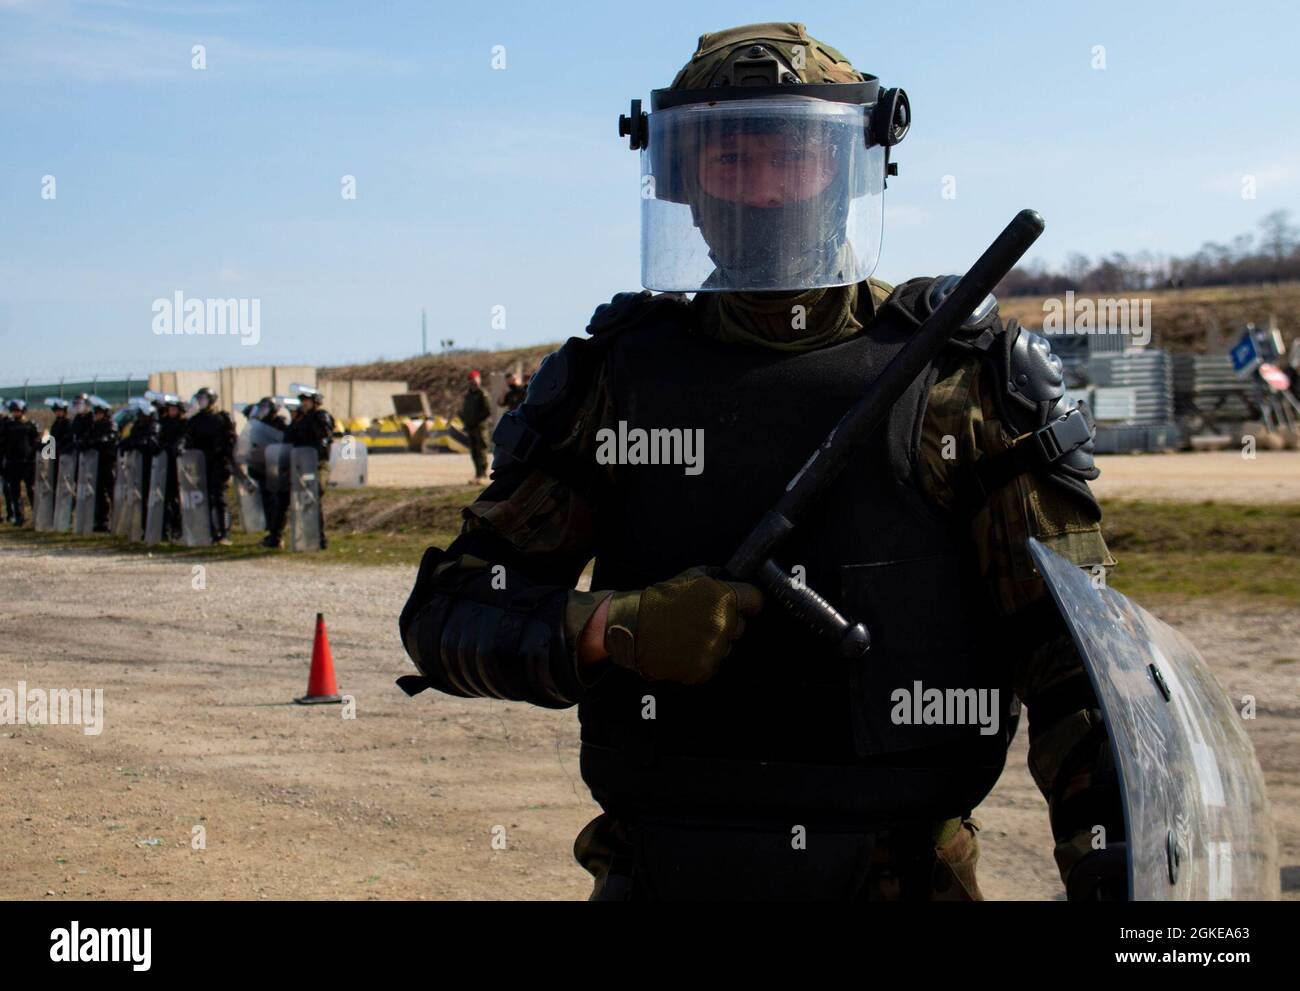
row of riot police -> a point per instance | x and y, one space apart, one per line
159 468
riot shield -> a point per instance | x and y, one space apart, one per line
349 463
278 458
87 477
43 511
196 522
1197 817
65 492
118 523
156 506
304 500
254 439
251 513
134 496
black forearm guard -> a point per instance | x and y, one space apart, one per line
473 640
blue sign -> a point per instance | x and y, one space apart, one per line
1245 355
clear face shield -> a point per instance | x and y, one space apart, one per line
774 193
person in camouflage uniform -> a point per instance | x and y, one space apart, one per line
476 417
735 755
514 394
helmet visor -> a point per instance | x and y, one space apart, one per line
780 193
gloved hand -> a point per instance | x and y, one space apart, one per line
680 629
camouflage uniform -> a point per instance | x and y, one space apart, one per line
476 416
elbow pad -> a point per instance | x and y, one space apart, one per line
472 639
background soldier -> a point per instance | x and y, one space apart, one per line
476 416
143 438
102 437
312 427
705 768
212 431
60 428
4 487
20 440
171 436
267 410
83 417
514 394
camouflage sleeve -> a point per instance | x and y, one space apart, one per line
1068 753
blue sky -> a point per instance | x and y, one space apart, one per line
480 188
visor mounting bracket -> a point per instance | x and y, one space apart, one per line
635 126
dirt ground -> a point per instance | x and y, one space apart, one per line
1272 476
404 800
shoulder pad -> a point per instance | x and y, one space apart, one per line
1034 375
555 389
984 314
1033 394
627 308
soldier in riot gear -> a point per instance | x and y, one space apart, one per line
212 431
4 488
144 437
83 418
61 427
311 427
713 724
102 437
60 438
19 442
267 411
171 436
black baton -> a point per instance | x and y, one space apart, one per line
752 561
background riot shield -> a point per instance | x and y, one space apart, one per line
1198 821
133 496
251 513
196 522
157 500
118 524
349 463
254 439
304 505
87 476
278 467
43 511
65 492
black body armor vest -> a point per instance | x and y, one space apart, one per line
787 726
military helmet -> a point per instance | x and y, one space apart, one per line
763 165
55 403
16 406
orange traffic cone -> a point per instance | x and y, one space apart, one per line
320 684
